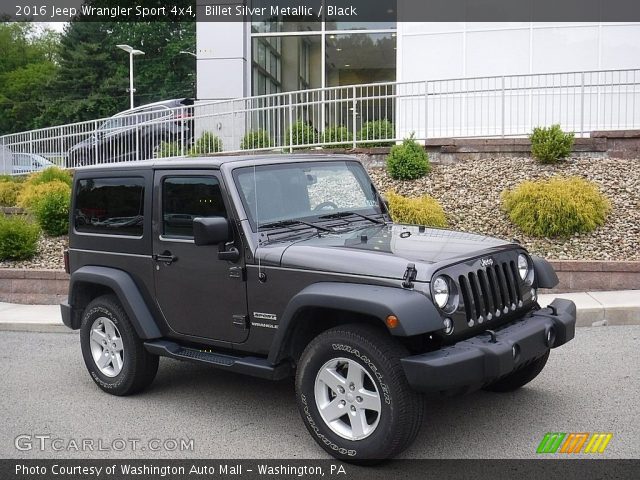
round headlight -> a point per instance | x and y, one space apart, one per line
441 292
523 266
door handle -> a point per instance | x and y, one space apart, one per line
165 257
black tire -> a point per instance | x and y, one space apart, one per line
520 377
378 354
139 367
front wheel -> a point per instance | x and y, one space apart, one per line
353 395
113 353
520 377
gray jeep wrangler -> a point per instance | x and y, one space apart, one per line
275 266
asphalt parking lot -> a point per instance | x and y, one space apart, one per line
590 385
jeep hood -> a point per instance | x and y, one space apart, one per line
384 251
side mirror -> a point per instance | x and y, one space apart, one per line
211 230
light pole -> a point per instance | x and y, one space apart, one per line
131 51
188 53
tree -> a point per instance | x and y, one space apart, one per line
93 78
27 66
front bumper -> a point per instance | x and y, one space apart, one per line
473 363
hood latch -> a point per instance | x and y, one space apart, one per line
410 275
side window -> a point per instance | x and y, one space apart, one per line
185 198
112 206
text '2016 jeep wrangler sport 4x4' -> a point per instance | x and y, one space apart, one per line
276 265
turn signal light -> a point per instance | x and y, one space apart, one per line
392 321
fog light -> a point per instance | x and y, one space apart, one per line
448 326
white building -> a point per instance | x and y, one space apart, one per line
237 60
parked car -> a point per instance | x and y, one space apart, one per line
136 134
277 266
29 162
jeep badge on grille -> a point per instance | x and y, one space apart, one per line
486 262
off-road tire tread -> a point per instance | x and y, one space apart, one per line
387 353
145 364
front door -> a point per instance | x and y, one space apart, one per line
199 295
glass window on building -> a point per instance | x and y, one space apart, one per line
360 58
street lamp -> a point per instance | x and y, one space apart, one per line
188 53
131 51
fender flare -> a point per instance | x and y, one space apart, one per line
127 292
416 314
546 276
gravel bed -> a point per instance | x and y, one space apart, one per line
470 194
49 256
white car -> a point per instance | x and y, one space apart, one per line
29 162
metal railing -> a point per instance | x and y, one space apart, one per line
346 117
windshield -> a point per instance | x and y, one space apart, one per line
305 191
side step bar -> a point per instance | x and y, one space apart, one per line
254 366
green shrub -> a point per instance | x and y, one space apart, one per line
9 193
18 238
301 133
549 145
50 174
557 207
7 178
256 139
424 210
207 143
377 130
30 193
337 137
169 149
52 212
408 161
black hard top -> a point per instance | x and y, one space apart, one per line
214 162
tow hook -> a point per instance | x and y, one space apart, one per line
493 338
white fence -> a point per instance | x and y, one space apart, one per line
347 117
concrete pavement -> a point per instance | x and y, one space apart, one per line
594 309
591 384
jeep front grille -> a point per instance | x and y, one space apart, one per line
490 292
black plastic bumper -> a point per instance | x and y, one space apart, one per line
475 362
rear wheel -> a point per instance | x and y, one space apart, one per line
520 377
353 396
113 353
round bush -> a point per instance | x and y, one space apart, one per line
423 210
18 238
52 212
301 133
550 145
557 207
9 193
51 174
256 139
337 137
408 161
207 143
30 194
376 130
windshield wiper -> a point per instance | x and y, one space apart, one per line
292 222
349 214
